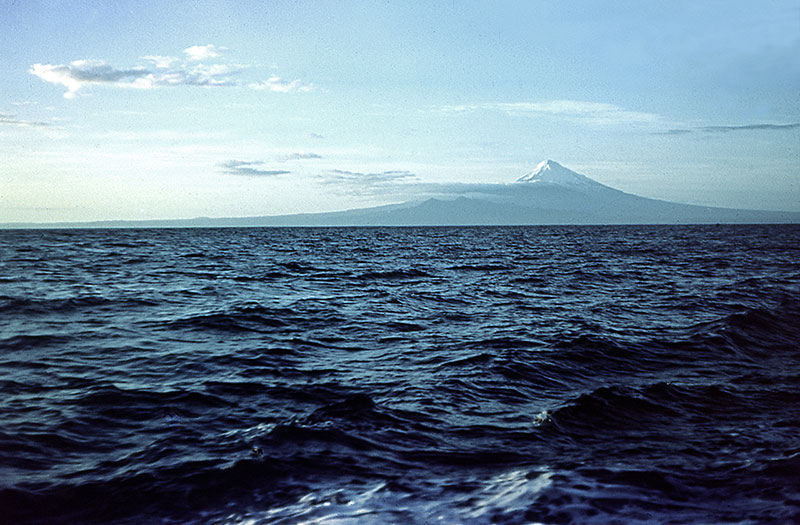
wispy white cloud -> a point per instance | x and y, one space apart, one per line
279 85
728 129
160 135
204 52
406 184
161 62
12 120
81 73
248 167
596 113
301 155
198 68
368 181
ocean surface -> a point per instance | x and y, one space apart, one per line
401 375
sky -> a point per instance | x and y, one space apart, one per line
182 109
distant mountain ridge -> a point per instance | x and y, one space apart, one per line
550 194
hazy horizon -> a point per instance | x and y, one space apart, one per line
122 111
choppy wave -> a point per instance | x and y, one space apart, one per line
451 375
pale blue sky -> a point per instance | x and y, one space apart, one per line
123 110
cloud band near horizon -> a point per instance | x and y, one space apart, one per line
248 167
729 129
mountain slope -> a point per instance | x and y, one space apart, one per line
550 194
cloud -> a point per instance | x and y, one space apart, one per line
82 72
316 136
204 52
407 185
158 71
301 156
674 132
12 120
161 62
245 167
200 75
749 127
597 113
368 180
728 129
279 85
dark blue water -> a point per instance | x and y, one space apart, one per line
407 375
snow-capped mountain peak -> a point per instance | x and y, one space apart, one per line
551 172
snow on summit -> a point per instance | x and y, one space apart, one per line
551 172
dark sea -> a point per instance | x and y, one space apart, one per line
571 374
